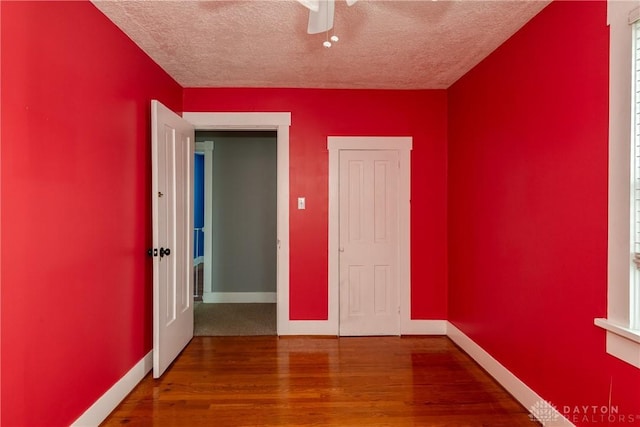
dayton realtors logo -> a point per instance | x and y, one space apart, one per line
598 414
544 412
548 414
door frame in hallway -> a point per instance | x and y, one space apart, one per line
280 122
205 149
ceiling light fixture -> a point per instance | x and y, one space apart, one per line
321 14
327 43
333 39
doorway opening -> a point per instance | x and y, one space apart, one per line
198 225
235 232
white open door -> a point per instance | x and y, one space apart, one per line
172 148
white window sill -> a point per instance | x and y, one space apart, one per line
622 342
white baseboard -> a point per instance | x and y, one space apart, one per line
518 389
102 407
423 327
239 297
308 327
327 327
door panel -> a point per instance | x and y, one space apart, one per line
172 219
369 301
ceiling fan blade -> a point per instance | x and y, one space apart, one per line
322 20
310 4
351 2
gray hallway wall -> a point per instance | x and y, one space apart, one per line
243 257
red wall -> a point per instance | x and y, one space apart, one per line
316 114
75 185
528 209
526 132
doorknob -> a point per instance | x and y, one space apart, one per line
341 249
164 252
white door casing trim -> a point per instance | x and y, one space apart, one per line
403 145
206 148
280 122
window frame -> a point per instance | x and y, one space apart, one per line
622 335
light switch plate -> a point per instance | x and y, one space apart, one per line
301 203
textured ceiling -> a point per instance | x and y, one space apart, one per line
399 44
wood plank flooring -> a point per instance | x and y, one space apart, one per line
303 381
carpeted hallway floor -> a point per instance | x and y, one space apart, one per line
216 319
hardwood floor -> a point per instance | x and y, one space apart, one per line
302 381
